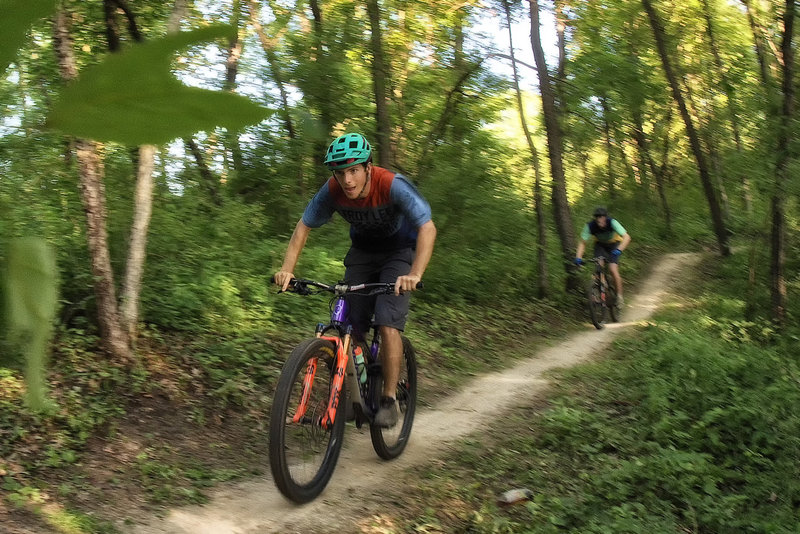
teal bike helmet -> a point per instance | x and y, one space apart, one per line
348 150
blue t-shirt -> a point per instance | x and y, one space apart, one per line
386 219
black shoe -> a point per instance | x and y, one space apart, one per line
387 414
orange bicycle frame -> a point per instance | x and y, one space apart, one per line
308 381
342 346
336 386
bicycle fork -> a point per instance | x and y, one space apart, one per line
339 373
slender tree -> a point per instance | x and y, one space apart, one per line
658 173
694 140
612 188
380 75
91 172
142 201
759 46
778 256
730 96
538 201
555 143
233 56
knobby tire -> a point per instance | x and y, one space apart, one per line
611 303
597 309
303 455
390 442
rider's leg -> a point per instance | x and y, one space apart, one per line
391 354
614 268
391 312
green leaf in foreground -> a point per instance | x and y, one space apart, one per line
133 98
16 16
31 297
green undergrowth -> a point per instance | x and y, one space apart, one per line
689 424
192 412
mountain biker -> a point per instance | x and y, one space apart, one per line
610 239
392 236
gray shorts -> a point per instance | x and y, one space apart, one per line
365 267
603 250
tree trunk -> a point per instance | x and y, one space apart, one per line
380 74
706 135
137 248
778 253
705 177
93 197
758 43
583 157
733 114
563 219
268 44
142 208
561 71
234 53
321 92
207 176
541 224
450 105
612 190
644 147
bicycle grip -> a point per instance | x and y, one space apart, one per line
420 285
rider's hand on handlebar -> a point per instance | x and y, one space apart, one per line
578 261
282 279
616 252
406 283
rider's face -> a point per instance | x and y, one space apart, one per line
601 220
353 180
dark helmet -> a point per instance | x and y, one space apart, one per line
600 211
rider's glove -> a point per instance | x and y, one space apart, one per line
578 262
616 252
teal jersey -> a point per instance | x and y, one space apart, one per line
612 233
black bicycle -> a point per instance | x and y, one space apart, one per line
323 379
601 296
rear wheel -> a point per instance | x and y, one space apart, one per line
597 306
303 454
611 302
390 442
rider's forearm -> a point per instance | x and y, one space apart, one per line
426 235
625 240
580 249
296 244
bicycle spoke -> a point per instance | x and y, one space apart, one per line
390 442
303 453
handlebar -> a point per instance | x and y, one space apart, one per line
309 287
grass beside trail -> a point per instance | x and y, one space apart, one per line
689 424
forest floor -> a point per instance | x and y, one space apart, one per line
355 499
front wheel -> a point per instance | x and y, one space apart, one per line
596 304
302 453
613 307
390 442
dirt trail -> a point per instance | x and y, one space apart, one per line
257 507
